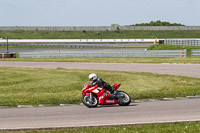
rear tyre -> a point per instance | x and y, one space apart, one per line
90 103
125 100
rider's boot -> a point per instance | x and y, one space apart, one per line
113 92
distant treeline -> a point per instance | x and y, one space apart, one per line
159 23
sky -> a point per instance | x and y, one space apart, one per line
97 12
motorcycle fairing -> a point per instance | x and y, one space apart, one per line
106 100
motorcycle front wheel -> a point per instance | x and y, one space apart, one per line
125 100
88 102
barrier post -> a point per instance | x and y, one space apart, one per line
180 53
7 46
155 41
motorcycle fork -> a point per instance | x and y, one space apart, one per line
91 97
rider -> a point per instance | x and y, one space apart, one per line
94 79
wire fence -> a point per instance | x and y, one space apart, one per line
96 28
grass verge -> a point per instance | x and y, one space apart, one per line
110 59
28 86
118 34
184 127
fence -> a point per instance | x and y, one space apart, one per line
95 28
186 42
138 53
195 52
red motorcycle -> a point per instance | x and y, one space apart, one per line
92 96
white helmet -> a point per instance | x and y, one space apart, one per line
92 77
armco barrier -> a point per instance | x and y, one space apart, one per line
185 42
128 53
195 52
73 41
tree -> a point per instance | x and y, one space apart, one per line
158 23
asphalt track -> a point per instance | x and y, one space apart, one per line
190 70
79 115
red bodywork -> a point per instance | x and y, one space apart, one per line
100 93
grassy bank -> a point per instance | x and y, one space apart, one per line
110 60
185 127
173 47
97 34
20 86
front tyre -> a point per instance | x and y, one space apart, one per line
125 100
88 102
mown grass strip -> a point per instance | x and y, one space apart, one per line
184 127
195 60
28 86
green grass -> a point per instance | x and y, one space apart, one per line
109 60
173 47
97 34
28 86
184 127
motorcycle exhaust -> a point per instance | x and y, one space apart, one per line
120 95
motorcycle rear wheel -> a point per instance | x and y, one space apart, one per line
90 104
124 101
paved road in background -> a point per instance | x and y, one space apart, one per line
190 70
79 115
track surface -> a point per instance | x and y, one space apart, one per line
79 115
190 70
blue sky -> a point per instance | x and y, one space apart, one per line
97 12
